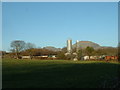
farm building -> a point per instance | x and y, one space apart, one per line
103 57
25 57
40 57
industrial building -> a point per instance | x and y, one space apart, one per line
70 51
69 46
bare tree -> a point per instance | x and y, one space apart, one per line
29 48
17 46
30 45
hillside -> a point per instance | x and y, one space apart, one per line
52 48
84 44
81 44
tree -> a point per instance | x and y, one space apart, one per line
29 49
89 51
2 54
64 49
79 54
29 46
61 55
17 47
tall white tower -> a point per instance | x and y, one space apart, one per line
77 46
69 46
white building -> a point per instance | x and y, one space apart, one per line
86 58
25 57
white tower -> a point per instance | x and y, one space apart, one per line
77 46
69 46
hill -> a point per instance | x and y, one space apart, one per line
81 44
52 48
84 44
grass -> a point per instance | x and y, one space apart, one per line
58 74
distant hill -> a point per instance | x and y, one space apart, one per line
84 44
107 47
52 48
81 44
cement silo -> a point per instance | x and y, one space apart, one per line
77 47
69 46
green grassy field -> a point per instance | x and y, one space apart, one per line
58 74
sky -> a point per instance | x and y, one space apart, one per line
52 23
0 26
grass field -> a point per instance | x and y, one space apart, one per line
59 74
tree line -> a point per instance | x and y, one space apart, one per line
21 48
88 51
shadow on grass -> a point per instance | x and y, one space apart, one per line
63 75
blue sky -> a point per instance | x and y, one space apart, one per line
0 26
51 24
